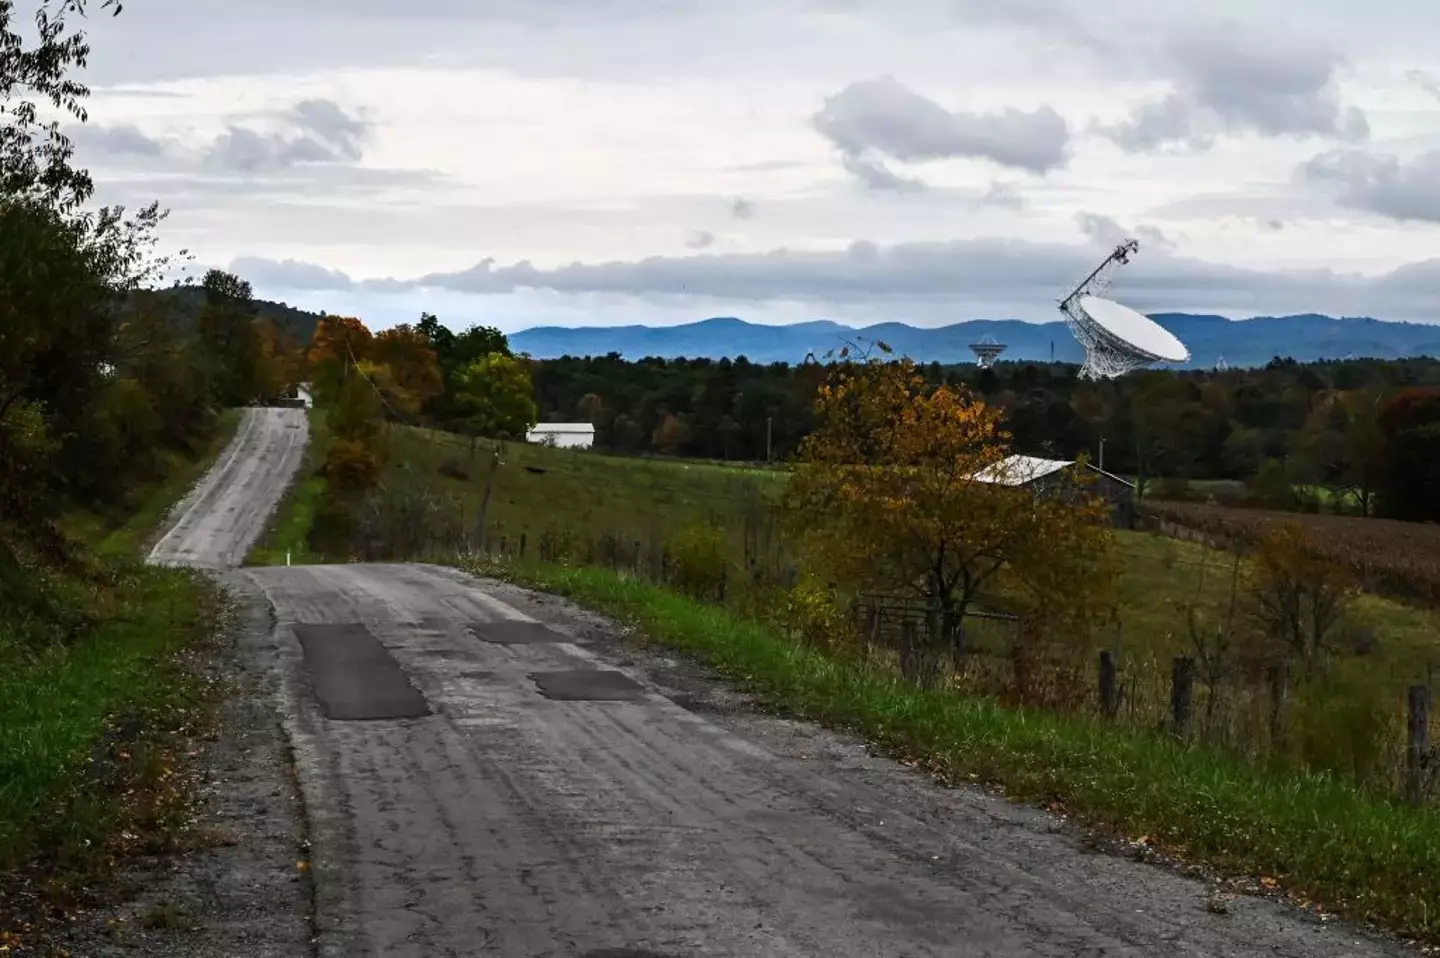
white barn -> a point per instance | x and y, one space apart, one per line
565 435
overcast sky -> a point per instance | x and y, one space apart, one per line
536 162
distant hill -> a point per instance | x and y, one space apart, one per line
188 300
1249 342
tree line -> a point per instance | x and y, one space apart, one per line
1364 429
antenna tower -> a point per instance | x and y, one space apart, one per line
986 351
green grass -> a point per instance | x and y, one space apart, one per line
78 652
1327 841
55 708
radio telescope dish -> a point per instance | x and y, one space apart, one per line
1116 338
986 351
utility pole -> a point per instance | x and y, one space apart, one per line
769 421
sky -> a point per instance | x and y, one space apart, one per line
607 162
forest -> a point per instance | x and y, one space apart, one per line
1283 426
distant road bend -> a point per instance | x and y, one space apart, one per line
217 523
489 773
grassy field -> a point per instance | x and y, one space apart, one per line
1329 843
580 494
93 689
588 495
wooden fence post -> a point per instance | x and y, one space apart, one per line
1417 751
1109 685
1182 694
1278 675
910 650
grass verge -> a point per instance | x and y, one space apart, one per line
101 697
58 714
1327 842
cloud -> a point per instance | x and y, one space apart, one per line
742 209
121 139
883 116
1107 231
320 131
1387 185
700 239
1230 79
1425 81
1002 195
973 274
288 274
873 174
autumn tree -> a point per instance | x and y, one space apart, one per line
904 488
493 396
413 367
1298 596
338 343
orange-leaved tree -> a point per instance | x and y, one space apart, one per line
890 495
413 365
339 342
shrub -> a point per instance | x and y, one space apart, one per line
350 466
699 562
811 615
333 529
1346 723
1174 490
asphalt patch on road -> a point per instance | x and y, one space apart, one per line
517 633
587 685
355 677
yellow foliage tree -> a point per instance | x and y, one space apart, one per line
889 495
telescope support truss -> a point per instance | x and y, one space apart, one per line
1105 357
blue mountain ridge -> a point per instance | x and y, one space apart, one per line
1248 342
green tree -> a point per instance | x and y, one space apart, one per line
228 332
494 397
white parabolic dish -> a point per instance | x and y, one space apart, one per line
1135 330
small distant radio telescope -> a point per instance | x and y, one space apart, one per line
986 351
1116 338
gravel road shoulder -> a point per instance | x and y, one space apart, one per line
242 892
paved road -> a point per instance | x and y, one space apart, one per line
217 523
524 798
